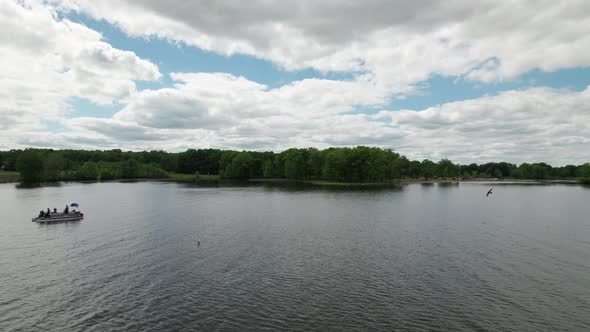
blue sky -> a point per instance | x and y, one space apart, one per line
466 81
178 57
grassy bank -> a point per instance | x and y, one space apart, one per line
8 177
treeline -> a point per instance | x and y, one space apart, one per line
367 164
48 165
358 164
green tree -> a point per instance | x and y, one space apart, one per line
153 171
497 173
393 170
10 159
468 171
130 169
446 169
268 171
108 171
30 166
314 163
583 173
404 165
428 168
54 165
295 164
240 166
414 169
88 171
523 171
334 165
568 171
539 171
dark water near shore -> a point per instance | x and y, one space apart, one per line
423 257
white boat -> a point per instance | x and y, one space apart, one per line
65 216
60 217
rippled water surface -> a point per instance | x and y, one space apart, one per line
423 257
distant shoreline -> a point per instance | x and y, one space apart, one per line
13 177
8 177
336 166
415 181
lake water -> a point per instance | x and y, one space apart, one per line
423 257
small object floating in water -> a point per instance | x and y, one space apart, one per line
490 192
198 243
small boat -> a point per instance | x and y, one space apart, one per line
60 217
65 216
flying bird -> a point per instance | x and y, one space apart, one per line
490 192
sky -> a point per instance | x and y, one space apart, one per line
472 81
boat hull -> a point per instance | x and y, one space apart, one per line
59 217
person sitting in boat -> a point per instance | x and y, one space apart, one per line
54 210
48 212
66 210
41 214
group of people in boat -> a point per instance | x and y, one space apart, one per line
43 214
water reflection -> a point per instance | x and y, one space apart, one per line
74 223
447 184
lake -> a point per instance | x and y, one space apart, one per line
419 257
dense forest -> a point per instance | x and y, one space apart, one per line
358 164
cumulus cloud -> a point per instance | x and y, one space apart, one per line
538 124
518 126
218 109
387 48
218 100
397 43
46 60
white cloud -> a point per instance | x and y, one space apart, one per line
517 126
45 61
217 100
389 46
397 43
217 109
538 124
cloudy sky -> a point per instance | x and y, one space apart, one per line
459 79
